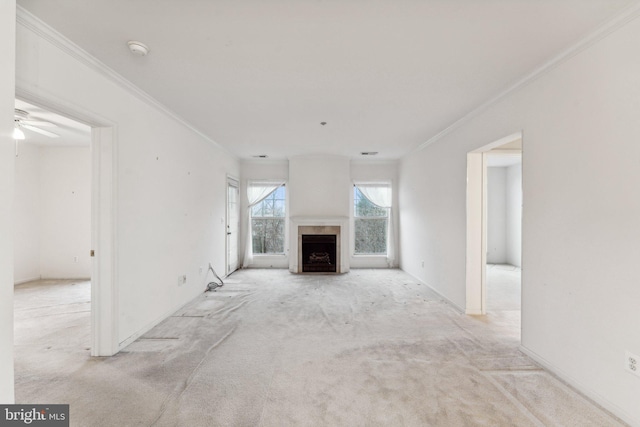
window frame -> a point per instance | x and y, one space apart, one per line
355 218
284 218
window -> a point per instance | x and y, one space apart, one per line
371 220
268 222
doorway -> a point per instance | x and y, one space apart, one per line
52 202
233 224
504 230
100 251
494 217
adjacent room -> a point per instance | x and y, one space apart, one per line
52 239
504 230
321 213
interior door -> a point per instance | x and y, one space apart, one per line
233 221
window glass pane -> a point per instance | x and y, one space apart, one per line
363 207
257 230
268 235
267 224
370 226
256 210
278 208
267 207
370 236
279 193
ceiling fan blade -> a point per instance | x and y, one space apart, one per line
40 131
41 123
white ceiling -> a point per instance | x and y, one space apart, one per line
386 75
71 133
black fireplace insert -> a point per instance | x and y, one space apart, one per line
319 253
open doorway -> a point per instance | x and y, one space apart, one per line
99 186
504 229
494 215
52 238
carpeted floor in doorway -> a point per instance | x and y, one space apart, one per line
367 348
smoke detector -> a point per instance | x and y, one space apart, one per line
138 48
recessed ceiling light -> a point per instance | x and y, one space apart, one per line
323 123
261 156
138 48
368 153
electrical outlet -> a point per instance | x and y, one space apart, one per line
75 259
201 269
632 363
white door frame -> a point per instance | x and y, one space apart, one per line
476 259
104 298
231 181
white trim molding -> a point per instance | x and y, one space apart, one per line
42 29
601 32
597 398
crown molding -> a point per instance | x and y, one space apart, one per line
620 20
46 32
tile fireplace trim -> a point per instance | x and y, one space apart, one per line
318 225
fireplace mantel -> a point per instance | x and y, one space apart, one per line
319 221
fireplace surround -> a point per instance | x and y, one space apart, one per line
319 245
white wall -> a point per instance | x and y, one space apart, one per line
65 212
580 217
496 215
171 182
53 213
26 231
319 186
513 192
504 215
7 156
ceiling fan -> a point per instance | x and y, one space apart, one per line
24 121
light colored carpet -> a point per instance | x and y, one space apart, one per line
503 287
368 348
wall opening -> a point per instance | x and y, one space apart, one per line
100 250
504 229
505 150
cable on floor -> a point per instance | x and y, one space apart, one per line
212 286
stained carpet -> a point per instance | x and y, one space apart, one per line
367 348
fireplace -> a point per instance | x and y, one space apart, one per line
319 253
319 249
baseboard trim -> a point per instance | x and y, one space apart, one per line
33 279
21 281
599 400
444 298
123 344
